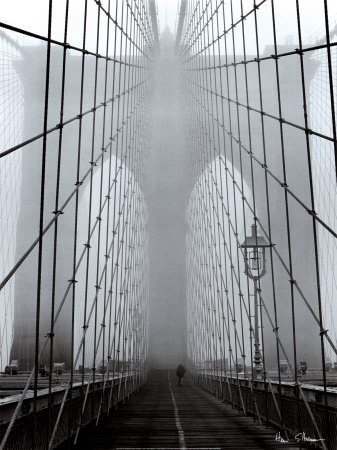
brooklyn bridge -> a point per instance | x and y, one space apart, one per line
168 195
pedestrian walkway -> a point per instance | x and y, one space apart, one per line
163 415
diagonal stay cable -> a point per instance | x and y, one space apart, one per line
85 328
67 122
42 348
58 213
278 254
272 324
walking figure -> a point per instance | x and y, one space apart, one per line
180 373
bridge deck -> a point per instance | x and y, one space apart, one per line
150 420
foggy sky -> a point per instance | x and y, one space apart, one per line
312 18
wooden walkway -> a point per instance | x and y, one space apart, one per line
163 415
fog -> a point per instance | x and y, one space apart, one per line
164 175
312 18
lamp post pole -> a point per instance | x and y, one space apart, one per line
257 355
255 267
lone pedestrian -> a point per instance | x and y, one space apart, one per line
180 374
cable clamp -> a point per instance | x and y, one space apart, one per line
57 212
72 281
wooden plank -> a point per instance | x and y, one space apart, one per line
148 420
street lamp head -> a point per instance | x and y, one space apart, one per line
255 258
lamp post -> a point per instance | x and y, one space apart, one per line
255 267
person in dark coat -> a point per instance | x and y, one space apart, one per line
180 374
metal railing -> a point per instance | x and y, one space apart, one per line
264 402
